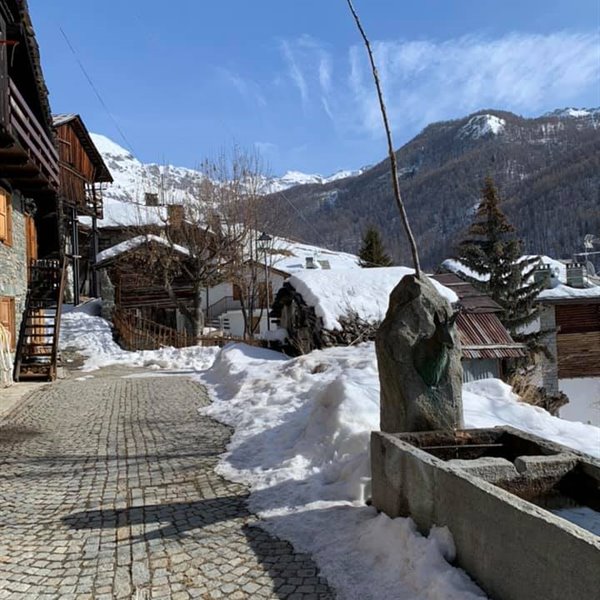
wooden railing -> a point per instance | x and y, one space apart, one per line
137 333
32 136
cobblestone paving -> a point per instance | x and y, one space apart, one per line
107 490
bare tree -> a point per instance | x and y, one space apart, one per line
391 153
211 236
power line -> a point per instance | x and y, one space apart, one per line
95 90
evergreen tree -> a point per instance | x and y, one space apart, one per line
494 254
372 253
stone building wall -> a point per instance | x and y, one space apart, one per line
13 261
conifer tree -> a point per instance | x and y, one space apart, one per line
372 253
494 255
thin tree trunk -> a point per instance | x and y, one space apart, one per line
392 154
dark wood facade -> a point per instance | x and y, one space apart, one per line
578 338
28 154
83 174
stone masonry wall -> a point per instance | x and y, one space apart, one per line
13 261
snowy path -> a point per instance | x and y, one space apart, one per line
108 490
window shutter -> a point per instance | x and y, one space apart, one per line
7 318
3 216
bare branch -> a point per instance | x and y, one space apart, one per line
392 154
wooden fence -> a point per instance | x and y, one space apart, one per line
137 333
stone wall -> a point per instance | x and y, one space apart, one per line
549 367
13 261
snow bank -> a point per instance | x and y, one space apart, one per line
366 291
301 438
92 336
302 430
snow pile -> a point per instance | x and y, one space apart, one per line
482 125
334 293
301 440
83 330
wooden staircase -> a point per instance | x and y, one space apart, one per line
37 351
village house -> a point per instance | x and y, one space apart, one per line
570 313
83 174
137 299
29 173
319 309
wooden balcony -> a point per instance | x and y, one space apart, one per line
77 192
28 157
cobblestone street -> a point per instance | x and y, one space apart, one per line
108 490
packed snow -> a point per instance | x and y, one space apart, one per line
335 293
300 442
482 125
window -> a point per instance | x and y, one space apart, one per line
7 318
5 218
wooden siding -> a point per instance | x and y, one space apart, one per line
72 153
578 318
579 355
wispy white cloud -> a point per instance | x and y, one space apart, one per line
295 71
248 89
426 81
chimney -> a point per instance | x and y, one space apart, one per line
310 263
151 199
543 273
175 214
576 275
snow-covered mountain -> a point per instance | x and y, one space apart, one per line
133 179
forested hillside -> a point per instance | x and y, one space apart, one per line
547 170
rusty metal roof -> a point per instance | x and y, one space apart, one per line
482 335
469 297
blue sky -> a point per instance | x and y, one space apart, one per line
187 78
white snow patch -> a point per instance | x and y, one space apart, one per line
584 399
366 291
482 125
93 337
301 443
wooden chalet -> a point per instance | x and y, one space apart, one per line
32 272
83 174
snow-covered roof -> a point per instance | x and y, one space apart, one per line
558 289
133 243
565 292
292 256
332 294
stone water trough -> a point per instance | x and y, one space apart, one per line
524 512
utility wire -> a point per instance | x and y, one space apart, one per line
95 90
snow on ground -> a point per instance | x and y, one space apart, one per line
334 293
300 443
301 439
584 399
92 336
